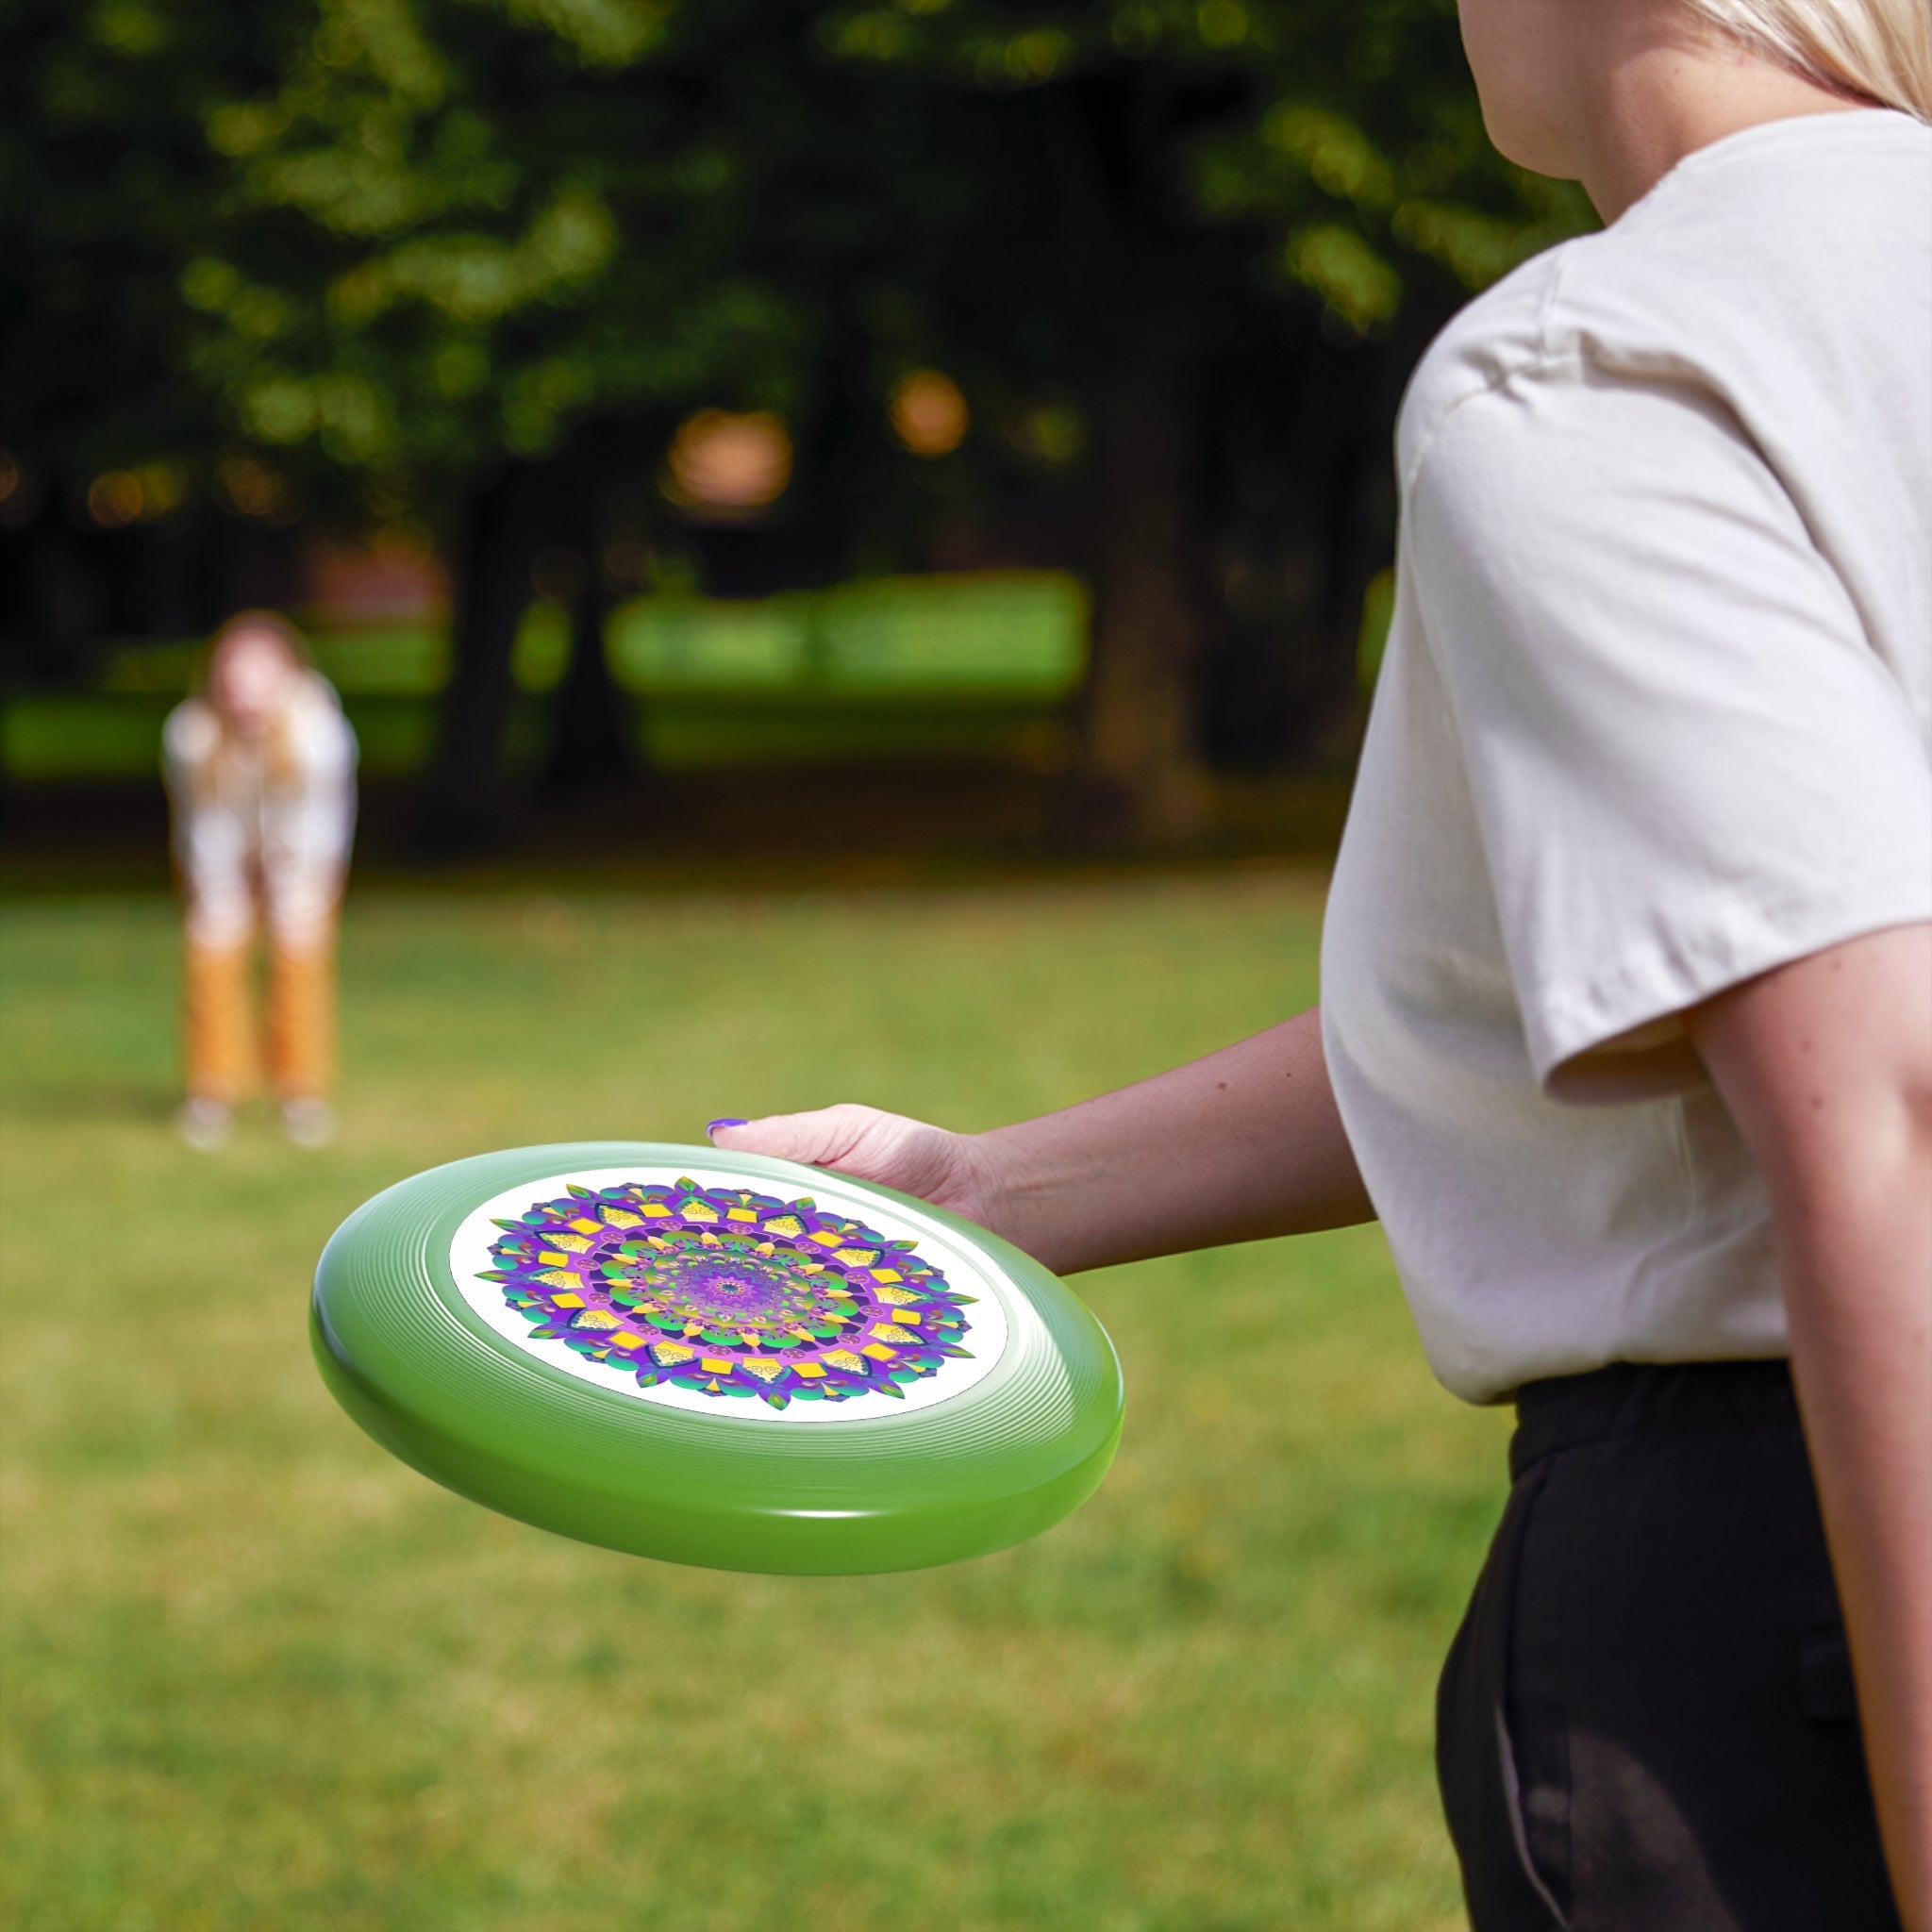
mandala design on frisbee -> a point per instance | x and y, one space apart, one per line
728 1294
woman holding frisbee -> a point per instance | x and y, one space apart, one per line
262 776
1626 1032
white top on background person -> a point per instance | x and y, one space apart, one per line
264 805
1668 731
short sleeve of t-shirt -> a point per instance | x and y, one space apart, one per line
1687 762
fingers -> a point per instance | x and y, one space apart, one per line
888 1148
823 1137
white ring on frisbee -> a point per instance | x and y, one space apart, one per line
987 1325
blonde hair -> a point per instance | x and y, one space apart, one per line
1879 50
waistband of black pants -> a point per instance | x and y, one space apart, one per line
1637 1398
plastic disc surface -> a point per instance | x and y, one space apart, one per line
716 1358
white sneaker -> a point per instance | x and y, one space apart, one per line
203 1124
308 1122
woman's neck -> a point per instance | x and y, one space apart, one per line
1656 96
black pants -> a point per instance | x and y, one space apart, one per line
1646 1721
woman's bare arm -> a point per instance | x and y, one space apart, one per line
1826 1068
1243 1144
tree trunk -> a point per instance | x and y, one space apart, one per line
590 742
593 745
62 601
466 799
1132 301
1140 738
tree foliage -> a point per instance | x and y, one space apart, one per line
418 254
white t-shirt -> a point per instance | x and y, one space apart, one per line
1656 716
251 825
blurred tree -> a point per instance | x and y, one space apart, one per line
500 247
470 261
530 238
1234 194
107 189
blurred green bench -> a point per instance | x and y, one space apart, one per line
976 666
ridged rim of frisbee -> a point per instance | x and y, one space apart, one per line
421 1372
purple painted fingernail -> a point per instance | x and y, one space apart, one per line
713 1126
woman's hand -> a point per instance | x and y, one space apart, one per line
1239 1147
949 1170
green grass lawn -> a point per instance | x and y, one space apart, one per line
258 1675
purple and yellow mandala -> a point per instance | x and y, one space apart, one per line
728 1293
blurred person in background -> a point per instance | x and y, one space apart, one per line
261 769
1626 1021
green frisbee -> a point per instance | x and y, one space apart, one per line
716 1358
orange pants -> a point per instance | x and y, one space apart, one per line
221 1046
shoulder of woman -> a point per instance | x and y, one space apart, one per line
319 731
312 690
1496 337
1605 312
1753 265
191 734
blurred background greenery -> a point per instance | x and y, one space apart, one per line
500 337
854 535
